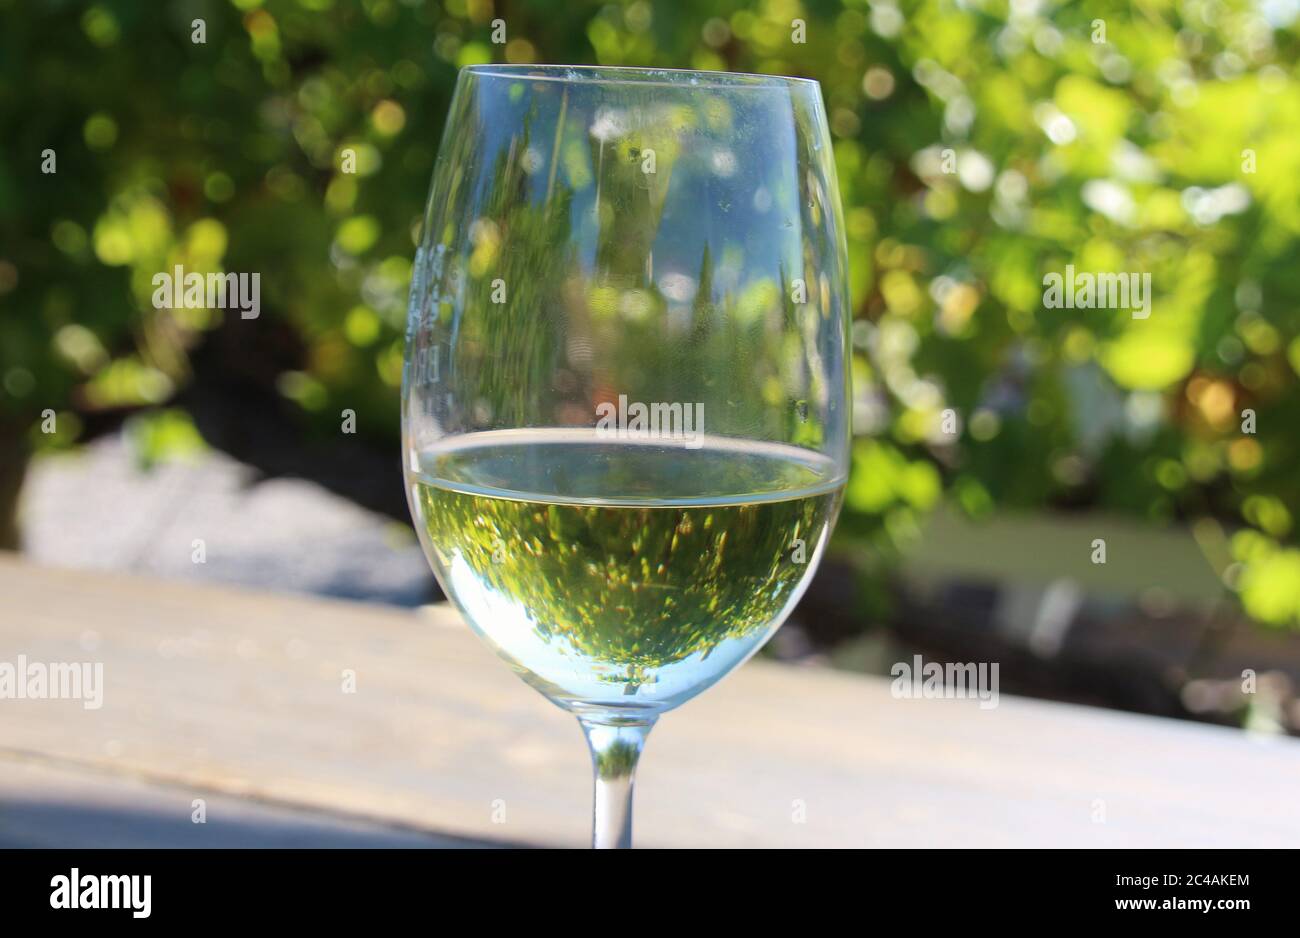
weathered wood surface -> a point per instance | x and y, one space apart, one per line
236 697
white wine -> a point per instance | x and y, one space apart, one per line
622 575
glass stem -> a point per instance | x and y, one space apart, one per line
615 749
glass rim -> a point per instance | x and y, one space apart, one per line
637 75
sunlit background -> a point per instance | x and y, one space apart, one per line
980 146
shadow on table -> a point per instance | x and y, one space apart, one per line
57 824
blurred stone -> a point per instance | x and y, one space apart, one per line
96 508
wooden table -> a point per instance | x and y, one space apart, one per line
235 698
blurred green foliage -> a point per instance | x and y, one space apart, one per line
980 146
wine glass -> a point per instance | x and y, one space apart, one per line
625 408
